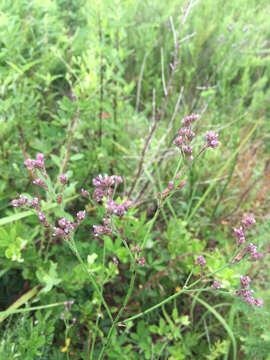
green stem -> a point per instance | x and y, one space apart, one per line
73 247
99 306
184 290
115 322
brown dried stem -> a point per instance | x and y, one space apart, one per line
161 110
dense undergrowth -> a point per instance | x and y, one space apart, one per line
101 87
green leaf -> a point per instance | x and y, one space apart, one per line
48 279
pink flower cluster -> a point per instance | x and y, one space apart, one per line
139 260
247 295
185 135
37 164
118 209
240 232
22 201
201 261
211 138
64 227
105 185
104 190
65 315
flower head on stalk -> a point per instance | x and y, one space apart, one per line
185 135
211 138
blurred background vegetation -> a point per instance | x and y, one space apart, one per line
80 80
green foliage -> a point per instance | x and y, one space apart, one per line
82 83
28 338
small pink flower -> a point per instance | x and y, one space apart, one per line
201 261
63 179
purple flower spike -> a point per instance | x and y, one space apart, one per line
201 261
15 203
178 141
29 163
189 119
211 138
256 256
81 215
216 285
41 217
251 248
63 179
40 157
250 300
140 261
249 220
40 183
21 201
259 302
85 193
187 149
245 280
170 185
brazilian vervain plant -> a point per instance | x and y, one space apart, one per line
116 213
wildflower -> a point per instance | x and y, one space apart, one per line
182 184
63 179
259 302
250 300
98 195
248 221
140 261
39 163
187 149
211 138
29 163
81 215
251 248
21 201
57 231
201 261
59 199
247 296
62 222
189 119
40 182
85 193
106 181
170 185
136 248
65 348
186 134
240 235
100 230
256 256
34 202
41 217
245 280
216 285
178 141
